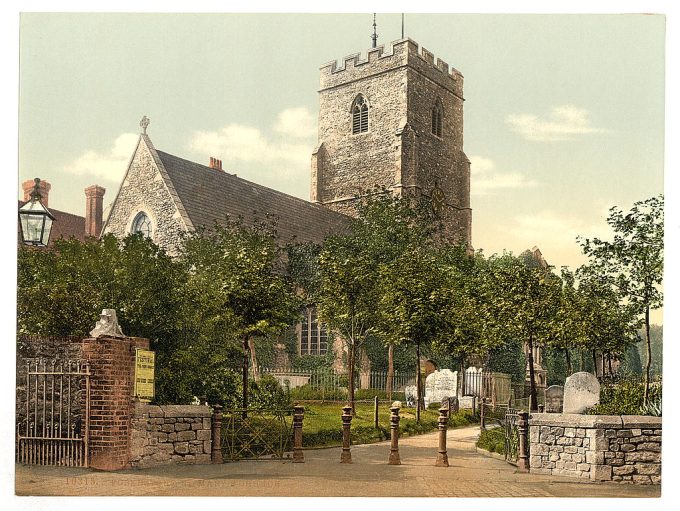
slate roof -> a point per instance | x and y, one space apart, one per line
211 195
65 225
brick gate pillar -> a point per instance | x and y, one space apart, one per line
112 363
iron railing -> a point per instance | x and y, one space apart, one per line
256 434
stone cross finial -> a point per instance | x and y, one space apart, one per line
107 325
144 123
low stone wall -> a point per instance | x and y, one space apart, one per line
624 448
170 434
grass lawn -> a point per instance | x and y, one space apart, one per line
322 425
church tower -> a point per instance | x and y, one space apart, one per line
393 121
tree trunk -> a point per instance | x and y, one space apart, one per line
253 359
246 354
648 365
609 363
566 355
418 391
582 362
350 384
595 363
532 380
603 364
390 371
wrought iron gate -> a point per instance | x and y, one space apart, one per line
511 435
257 434
53 410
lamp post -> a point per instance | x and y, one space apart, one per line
35 219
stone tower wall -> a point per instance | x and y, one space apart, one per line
399 151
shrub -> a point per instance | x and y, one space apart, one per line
626 397
492 440
268 393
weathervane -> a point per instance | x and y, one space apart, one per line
144 123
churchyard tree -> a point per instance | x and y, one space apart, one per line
237 283
632 263
350 285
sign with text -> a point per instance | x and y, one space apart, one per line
145 361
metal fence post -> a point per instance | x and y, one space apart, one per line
394 431
298 417
346 456
522 427
442 456
216 455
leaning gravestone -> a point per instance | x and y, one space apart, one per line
554 398
440 385
411 394
581 391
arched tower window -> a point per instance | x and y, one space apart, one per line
359 115
142 224
437 119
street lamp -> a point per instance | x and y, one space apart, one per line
35 219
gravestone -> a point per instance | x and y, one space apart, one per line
440 385
554 398
581 391
467 402
411 394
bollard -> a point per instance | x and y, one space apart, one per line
375 413
298 417
346 456
394 432
442 456
216 454
482 423
522 457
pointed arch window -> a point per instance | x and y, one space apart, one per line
142 224
359 115
437 119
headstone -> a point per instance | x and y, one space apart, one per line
439 385
554 398
467 402
581 391
107 325
411 394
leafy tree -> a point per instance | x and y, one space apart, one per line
525 301
633 261
349 269
236 286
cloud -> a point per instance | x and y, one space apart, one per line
236 143
110 165
563 123
486 180
296 122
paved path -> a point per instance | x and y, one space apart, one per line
470 475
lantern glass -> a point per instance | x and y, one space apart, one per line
36 223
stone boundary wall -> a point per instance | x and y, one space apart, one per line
170 434
623 448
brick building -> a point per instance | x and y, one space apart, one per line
393 121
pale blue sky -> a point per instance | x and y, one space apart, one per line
564 114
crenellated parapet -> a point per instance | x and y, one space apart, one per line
400 53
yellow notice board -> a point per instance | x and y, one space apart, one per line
145 362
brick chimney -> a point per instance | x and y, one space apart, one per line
44 188
215 163
94 209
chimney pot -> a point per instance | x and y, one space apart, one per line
215 163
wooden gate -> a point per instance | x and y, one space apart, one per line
53 412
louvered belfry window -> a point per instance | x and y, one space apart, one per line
437 120
359 115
